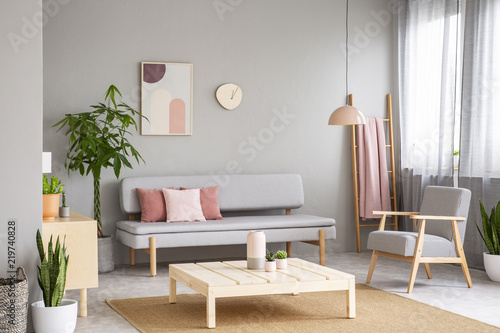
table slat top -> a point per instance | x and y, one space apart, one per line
232 273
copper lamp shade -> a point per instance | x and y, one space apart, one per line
347 115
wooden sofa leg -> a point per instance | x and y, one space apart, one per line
152 255
132 256
322 247
289 249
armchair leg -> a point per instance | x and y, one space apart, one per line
152 255
428 270
416 256
289 249
372 266
460 253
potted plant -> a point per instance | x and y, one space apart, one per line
54 314
281 262
51 193
98 139
491 237
64 209
270 265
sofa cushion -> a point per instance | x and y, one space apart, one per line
183 205
209 198
152 204
228 224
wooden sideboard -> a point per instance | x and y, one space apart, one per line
81 244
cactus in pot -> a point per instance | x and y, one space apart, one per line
281 262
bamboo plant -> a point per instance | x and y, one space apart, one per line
98 139
52 271
491 228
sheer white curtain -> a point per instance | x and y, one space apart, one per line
427 85
479 168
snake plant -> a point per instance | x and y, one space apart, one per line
491 228
52 272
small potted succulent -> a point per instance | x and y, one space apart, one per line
51 193
281 262
270 265
64 209
491 238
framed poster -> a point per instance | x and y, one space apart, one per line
167 98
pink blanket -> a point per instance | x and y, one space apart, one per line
374 193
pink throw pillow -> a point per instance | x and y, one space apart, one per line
183 205
209 198
152 204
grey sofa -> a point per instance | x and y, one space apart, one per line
247 202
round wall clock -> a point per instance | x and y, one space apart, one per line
229 96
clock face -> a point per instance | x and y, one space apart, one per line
229 96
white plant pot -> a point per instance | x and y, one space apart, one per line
281 263
270 266
492 266
59 319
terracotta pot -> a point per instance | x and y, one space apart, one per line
50 206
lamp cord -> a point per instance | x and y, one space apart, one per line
347 52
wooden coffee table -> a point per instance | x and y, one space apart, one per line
233 279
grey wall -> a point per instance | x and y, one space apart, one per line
286 55
21 134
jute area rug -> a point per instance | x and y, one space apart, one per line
376 311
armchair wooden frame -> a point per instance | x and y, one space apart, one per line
417 258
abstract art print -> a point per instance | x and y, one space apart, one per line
167 98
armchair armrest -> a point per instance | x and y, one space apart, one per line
378 212
432 217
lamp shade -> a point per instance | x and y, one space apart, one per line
347 115
46 162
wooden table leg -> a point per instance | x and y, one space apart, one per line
210 309
351 299
172 292
83 302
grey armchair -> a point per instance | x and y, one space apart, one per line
441 227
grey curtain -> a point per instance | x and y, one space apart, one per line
479 168
427 44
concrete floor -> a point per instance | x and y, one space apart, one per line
447 289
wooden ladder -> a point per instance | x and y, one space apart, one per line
355 173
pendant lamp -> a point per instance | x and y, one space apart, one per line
347 114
